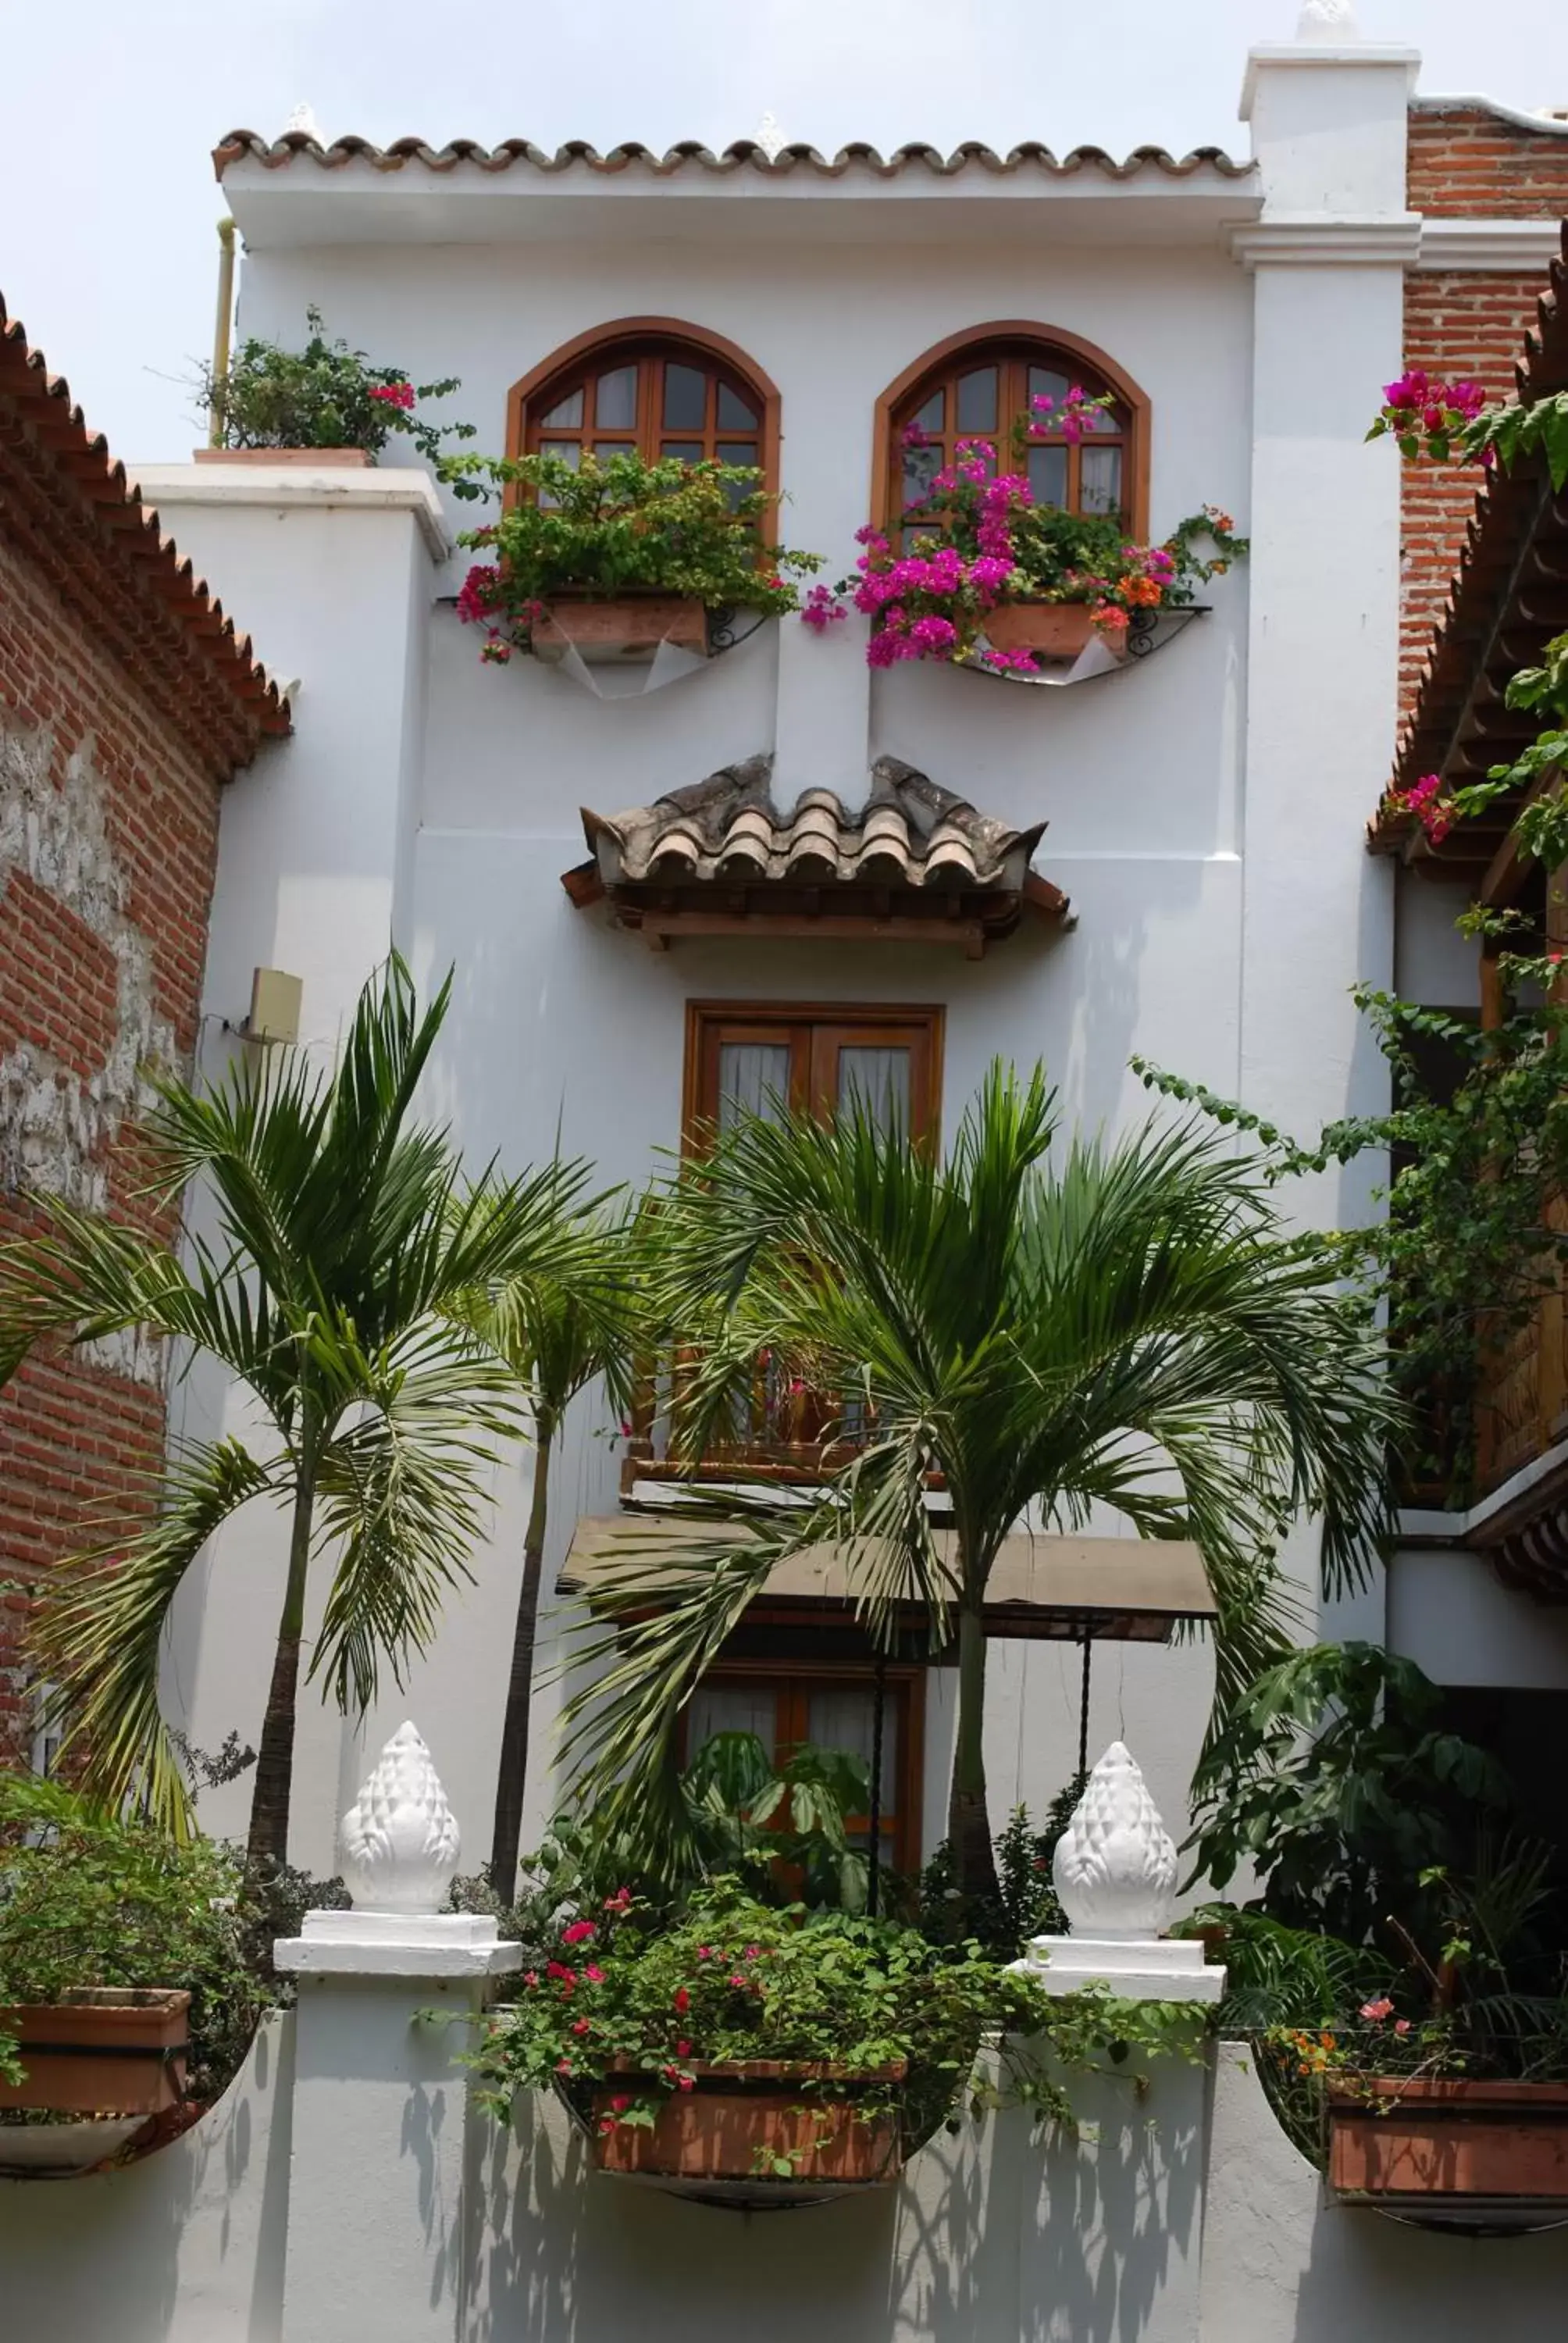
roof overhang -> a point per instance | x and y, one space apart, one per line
296 192
917 863
1041 1588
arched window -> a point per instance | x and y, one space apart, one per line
652 386
981 385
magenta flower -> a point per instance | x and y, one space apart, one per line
394 394
579 1932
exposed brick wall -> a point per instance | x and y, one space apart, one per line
1464 164
108 839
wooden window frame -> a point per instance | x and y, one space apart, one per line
631 340
709 1023
796 1679
1004 338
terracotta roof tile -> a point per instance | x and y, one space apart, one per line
1509 597
69 506
744 154
721 848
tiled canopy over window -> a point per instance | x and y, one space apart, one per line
982 387
652 387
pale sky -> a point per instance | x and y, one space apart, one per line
109 110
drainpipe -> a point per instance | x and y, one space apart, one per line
222 328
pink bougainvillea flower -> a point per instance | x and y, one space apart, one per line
582 2025
532 1977
579 1932
594 1975
682 1999
686 2082
1401 2025
393 394
683 2049
621 2101
1378 2009
563 2066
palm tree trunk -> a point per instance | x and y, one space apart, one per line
969 1816
268 1841
512 1774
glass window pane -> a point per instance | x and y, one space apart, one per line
685 451
605 448
685 398
734 414
1047 473
1044 382
876 1083
1101 479
930 417
565 417
977 400
845 1718
570 452
921 466
741 452
753 1079
732 1708
615 399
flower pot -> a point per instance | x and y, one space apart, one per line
742 2121
308 457
626 632
1459 2149
1051 629
56 2151
101 2050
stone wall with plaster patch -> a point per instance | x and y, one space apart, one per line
108 831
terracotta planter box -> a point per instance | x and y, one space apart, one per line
101 2050
1449 2146
712 2134
1054 629
306 456
626 632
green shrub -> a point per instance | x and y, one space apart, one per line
324 396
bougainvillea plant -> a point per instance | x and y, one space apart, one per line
324 396
637 2003
616 526
977 540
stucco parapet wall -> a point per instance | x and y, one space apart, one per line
395 489
397 1944
1362 55
1518 247
1322 240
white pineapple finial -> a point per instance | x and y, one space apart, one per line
770 138
1328 20
399 1840
1115 1865
303 118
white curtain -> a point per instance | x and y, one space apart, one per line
753 1079
844 1718
732 1708
876 1083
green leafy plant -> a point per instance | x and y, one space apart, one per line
89 1897
324 396
1333 1781
637 2000
1024 1904
770 1824
614 526
1130 1325
337 1239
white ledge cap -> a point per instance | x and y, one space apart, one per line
327 487
1159 1969
1362 55
397 1944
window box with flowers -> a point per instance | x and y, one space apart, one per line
614 557
983 575
770 2057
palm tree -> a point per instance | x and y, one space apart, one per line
1129 1327
555 1337
338 1234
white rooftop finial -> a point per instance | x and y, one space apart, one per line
770 138
303 118
399 1838
1328 20
1115 1865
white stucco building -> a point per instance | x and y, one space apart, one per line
1204 807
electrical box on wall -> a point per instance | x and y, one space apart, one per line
274 1006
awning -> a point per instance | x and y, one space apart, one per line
1123 1589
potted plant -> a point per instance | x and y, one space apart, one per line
614 557
989 578
324 404
768 2055
125 1993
